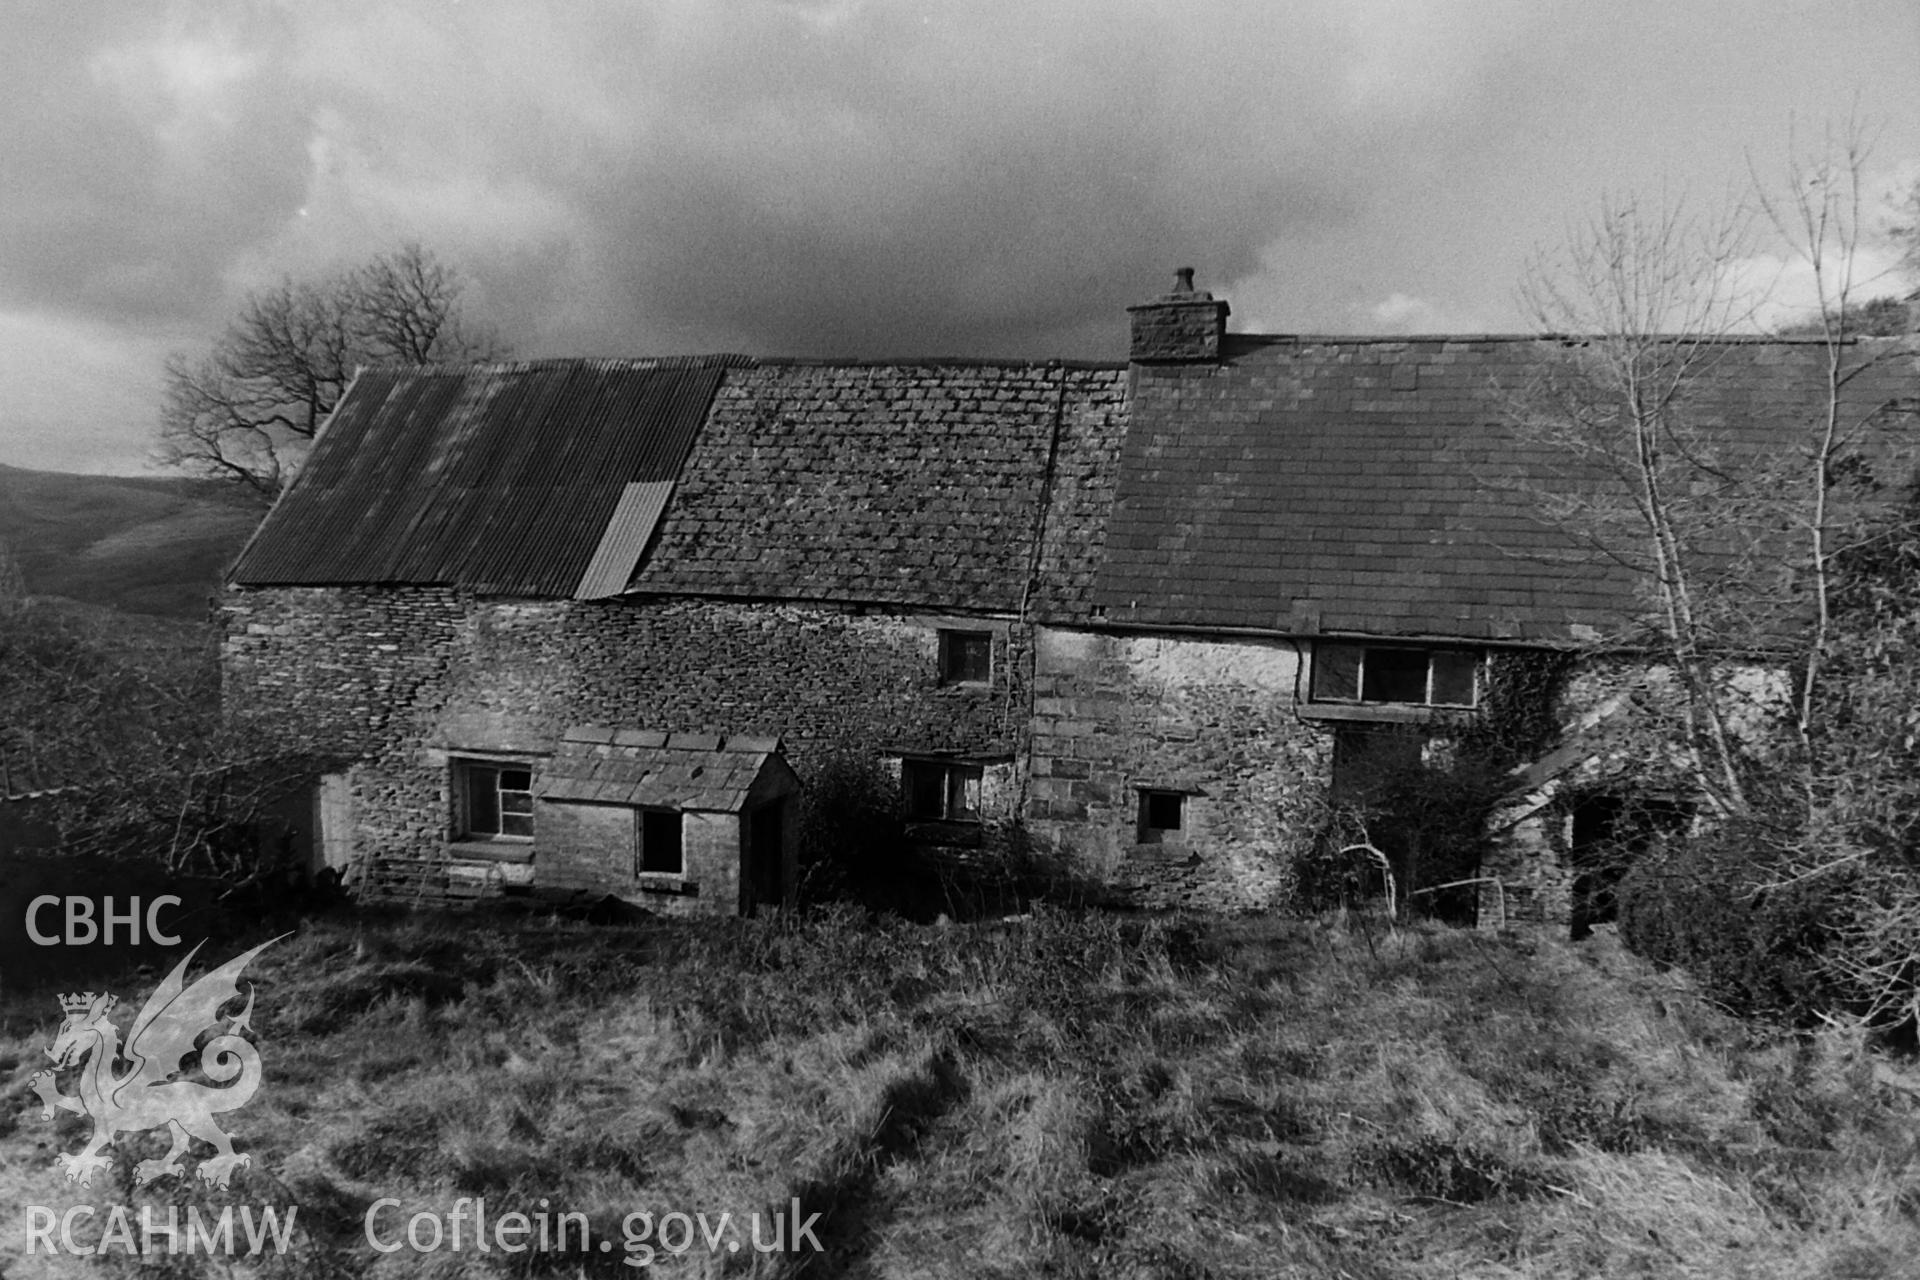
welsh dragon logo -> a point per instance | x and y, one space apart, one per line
152 1091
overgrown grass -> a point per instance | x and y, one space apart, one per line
1068 1094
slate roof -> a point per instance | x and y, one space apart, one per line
1360 486
502 478
689 771
908 483
1377 486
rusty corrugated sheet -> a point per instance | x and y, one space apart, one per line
634 519
497 478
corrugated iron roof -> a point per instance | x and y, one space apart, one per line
687 771
500 478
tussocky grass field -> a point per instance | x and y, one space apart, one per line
1070 1094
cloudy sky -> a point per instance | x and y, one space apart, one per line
859 177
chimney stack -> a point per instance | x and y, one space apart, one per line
1182 327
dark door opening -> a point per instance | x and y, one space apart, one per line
765 881
1608 834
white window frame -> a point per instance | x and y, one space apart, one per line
468 773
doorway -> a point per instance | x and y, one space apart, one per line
764 885
1606 835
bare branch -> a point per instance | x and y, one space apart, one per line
248 408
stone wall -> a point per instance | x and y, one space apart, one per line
339 662
411 681
1072 726
1213 720
587 846
590 846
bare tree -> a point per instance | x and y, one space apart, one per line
1819 214
247 409
1859 683
1641 302
1862 858
1783 555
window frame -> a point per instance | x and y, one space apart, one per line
954 775
469 774
641 843
954 642
1148 832
1323 651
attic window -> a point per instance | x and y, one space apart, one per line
941 790
1163 816
657 847
1395 674
966 657
496 801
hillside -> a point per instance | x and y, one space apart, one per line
150 545
1068 1094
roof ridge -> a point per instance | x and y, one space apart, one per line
1389 339
734 360
604 364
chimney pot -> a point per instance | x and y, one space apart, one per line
1183 280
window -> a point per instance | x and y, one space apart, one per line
1163 817
966 657
497 801
656 843
941 791
1369 673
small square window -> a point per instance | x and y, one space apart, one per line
657 845
497 802
1163 816
966 657
941 791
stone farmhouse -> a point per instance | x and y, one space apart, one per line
598 624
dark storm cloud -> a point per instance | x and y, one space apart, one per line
829 177
813 175
855 177
138 153
902 187
872 177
